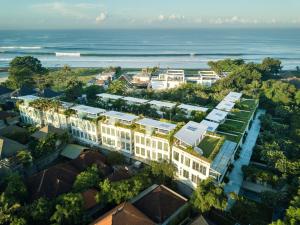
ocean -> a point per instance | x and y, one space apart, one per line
185 48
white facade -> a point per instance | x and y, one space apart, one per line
84 124
170 79
150 140
190 108
117 132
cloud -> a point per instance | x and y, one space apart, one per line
101 17
78 10
171 17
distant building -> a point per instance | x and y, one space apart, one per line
206 77
169 79
141 79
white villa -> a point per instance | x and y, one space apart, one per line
151 139
117 131
84 124
170 79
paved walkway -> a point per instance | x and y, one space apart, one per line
236 176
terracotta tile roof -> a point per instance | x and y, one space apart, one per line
52 182
59 179
89 198
124 214
119 174
160 203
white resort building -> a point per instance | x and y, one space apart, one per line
29 114
117 131
84 124
151 139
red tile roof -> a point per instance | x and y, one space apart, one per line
123 214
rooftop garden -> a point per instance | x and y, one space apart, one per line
232 126
211 146
247 104
242 115
232 137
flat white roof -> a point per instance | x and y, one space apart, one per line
191 133
156 124
233 96
225 105
211 126
66 105
109 96
162 104
121 116
192 108
136 100
88 109
216 115
28 97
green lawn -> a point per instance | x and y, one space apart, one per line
248 104
240 115
209 145
232 137
232 126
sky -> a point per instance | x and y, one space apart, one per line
131 14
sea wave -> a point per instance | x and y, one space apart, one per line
79 54
71 54
21 47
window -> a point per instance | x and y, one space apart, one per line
187 161
196 166
137 150
176 156
166 147
153 156
202 170
181 159
148 143
142 140
123 134
123 145
137 139
108 131
113 132
103 130
185 174
165 157
153 144
194 178
159 156
127 146
142 151
159 145
148 154
127 136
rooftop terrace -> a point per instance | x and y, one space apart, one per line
156 124
121 116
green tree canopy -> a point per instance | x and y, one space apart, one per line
22 69
208 195
87 179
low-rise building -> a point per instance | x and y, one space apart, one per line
188 109
109 97
117 131
84 124
208 77
30 115
162 106
187 156
225 106
169 79
217 116
151 139
141 79
233 97
135 101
